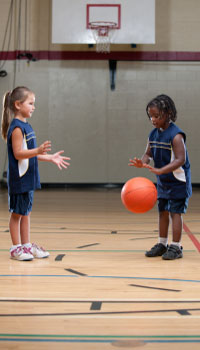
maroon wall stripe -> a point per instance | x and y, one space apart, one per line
114 55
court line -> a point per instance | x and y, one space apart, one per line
94 336
88 245
182 312
107 277
96 250
76 272
59 257
96 340
141 238
192 237
90 231
156 288
125 317
103 300
101 250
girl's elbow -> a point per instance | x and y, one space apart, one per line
17 156
182 161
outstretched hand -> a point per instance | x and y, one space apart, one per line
60 160
139 164
136 162
153 170
44 147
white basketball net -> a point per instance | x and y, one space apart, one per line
102 33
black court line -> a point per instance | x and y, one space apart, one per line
165 289
87 245
76 272
59 257
96 305
182 312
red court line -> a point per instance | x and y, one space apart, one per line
192 237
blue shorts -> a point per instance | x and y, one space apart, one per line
21 203
173 205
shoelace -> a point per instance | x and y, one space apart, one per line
20 250
27 250
156 246
36 246
173 249
17 250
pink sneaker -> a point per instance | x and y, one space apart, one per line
38 252
21 253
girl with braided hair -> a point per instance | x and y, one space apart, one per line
166 146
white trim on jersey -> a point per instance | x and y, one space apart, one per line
23 164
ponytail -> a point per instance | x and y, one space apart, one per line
20 93
6 115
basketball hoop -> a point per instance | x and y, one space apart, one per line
102 32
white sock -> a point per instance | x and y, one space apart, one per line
163 240
27 245
178 244
15 246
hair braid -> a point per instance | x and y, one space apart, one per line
165 105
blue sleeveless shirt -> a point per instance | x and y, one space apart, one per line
23 175
177 184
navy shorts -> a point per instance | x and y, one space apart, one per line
21 203
173 205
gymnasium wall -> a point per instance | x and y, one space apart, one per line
98 128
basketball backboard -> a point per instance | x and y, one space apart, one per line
134 20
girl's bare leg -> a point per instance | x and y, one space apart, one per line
25 229
177 226
14 226
163 224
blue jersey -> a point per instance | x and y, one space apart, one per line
177 184
23 175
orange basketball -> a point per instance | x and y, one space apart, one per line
139 195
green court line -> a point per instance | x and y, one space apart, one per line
88 250
98 251
89 336
56 340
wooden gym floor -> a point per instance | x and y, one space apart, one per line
97 290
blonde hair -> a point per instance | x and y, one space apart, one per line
20 93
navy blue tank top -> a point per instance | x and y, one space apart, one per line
23 175
177 184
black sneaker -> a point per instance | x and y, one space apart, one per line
157 250
173 252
